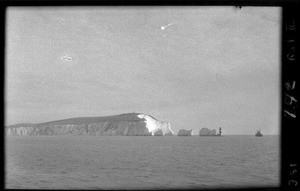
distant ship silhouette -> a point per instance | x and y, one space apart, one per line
258 133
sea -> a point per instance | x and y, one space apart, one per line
141 162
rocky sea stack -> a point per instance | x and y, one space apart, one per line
207 132
129 124
184 132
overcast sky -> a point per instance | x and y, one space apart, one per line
194 67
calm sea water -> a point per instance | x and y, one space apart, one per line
121 162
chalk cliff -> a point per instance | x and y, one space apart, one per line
155 125
130 124
184 132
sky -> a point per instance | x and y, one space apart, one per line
193 67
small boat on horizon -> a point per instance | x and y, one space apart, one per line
258 133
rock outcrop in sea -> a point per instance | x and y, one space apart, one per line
158 133
207 132
184 132
130 124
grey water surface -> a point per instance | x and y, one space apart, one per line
122 162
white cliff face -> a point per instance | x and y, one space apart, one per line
154 125
17 131
126 125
